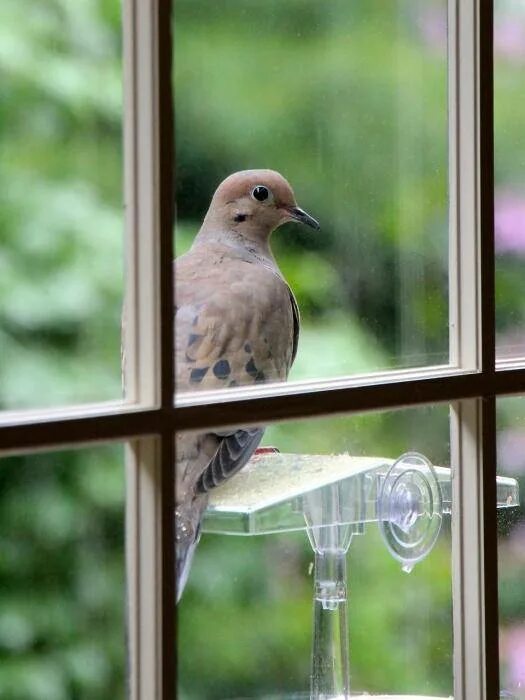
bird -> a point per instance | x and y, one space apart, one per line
236 323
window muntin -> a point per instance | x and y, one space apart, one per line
509 84
62 574
349 101
61 198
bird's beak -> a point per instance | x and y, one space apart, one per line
298 214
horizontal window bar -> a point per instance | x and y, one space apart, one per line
49 432
28 431
71 412
215 409
114 407
514 363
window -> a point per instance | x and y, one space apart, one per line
62 247
470 382
351 103
508 175
62 608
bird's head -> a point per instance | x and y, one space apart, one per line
255 203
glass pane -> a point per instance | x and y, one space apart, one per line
511 551
61 202
509 113
261 614
62 575
348 100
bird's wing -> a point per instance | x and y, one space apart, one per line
234 451
236 323
296 324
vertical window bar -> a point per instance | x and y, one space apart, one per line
490 552
476 666
148 346
464 234
467 550
486 130
144 569
141 350
168 600
465 349
167 211
166 202
141 313
488 319
472 339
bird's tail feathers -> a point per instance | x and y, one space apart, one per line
187 536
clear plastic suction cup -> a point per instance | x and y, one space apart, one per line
410 509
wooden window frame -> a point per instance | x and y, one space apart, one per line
148 418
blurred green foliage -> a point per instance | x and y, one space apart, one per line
348 100
61 217
62 588
62 583
254 595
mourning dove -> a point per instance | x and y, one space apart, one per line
236 323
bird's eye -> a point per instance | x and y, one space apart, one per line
260 193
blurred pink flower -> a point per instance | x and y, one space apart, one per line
515 545
432 24
509 222
509 32
513 652
509 37
511 451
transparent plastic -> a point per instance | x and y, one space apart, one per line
267 496
333 498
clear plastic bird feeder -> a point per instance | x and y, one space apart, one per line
333 498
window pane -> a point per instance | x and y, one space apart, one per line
511 553
349 102
245 618
509 112
62 575
61 202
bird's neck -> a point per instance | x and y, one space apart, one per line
258 247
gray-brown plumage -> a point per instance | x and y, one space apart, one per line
236 323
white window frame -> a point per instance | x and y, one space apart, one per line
147 418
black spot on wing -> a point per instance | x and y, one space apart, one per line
257 374
232 454
222 369
251 368
198 374
247 347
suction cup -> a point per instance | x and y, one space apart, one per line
410 509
